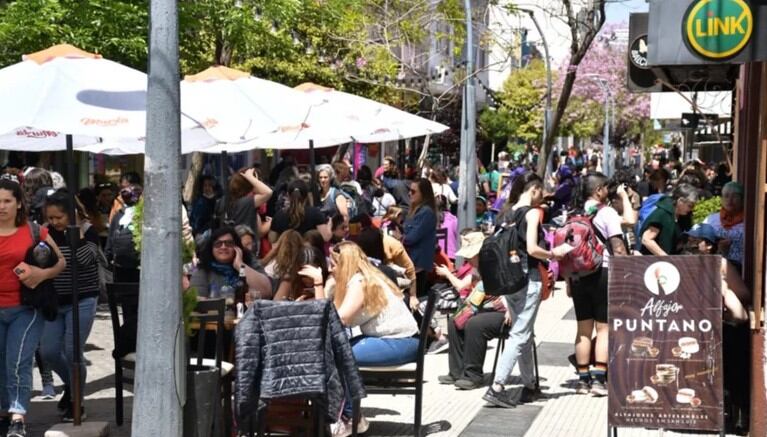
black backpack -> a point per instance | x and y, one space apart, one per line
502 258
43 297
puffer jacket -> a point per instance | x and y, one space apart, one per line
293 348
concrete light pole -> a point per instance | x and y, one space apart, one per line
606 151
549 89
467 174
160 367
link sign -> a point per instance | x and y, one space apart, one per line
718 29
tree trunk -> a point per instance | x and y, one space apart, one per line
564 99
190 186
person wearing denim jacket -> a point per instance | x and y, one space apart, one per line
420 228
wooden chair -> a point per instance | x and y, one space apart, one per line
403 379
122 299
208 315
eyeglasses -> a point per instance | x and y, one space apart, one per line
223 243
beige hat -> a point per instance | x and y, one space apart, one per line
471 243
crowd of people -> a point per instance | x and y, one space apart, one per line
374 242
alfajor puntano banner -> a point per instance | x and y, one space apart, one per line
665 365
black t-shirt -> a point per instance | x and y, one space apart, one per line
520 216
313 217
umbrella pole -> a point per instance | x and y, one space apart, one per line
312 166
73 231
224 169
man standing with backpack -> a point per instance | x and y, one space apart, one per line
587 280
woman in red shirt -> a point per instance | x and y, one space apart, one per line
20 325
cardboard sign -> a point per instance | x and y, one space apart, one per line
665 367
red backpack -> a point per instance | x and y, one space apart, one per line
586 257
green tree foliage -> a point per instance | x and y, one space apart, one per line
519 118
330 42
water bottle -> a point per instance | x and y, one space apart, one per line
42 254
228 293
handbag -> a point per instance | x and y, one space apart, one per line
43 297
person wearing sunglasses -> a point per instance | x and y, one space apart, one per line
420 229
225 263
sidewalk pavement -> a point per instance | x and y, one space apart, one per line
446 411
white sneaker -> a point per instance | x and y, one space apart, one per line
439 345
342 428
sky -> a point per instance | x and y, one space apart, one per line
618 10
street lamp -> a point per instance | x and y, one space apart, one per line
467 172
547 111
605 87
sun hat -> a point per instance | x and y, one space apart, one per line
703 231
471 243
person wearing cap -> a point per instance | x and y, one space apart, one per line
728 224
468 343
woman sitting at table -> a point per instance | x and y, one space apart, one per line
366 298
282 261
222 261
309 280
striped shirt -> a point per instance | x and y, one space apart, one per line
87 266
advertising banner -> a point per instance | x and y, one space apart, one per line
665 367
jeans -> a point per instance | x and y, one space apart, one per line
56 347
524 308
20 330
377 351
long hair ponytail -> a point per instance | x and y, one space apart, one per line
298 194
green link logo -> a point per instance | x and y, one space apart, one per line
718 29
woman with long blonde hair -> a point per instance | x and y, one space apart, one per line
365 297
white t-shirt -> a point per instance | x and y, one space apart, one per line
608 223
394 321
444 190
381 204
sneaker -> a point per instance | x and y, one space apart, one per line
362 426
598 389
446 379
500 399
467 384
69 417
438 346
582 387
17 429
65 401
342 428
49 392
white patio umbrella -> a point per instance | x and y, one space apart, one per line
335 117
251 107
64 90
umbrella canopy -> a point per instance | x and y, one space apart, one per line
336 117
65 90
378 122
235 106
